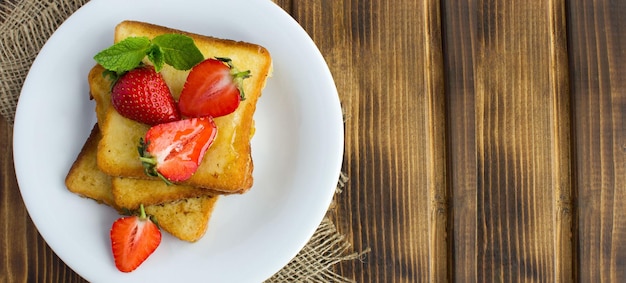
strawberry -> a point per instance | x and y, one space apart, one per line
173 151
133 240
214 88
142 95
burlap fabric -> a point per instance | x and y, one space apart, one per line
24 28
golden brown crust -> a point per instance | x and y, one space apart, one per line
130 193
129 28
99 93
82 180
186 219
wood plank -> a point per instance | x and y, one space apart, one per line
25 254
284 4
387 63
597 35
508 111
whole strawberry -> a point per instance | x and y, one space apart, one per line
133 240
142 95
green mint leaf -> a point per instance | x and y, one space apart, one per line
155 55
176 50
179 51
113 76
124 55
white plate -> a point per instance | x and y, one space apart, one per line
297 148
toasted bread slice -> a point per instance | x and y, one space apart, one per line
227 166
186 219
125 193
85 179
130 193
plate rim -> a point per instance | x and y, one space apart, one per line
62 28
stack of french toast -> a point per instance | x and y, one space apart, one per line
109 170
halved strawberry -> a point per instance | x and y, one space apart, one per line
133 240
173 151
142 95
214 88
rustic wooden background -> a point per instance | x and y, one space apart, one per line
484 142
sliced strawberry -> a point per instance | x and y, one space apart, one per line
173 151
142 95
133 240
213 88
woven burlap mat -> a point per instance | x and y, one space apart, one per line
24 28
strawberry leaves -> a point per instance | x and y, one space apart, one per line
176 50
238 76
149 163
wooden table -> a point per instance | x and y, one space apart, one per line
484 142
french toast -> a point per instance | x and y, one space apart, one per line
185 218
84 177
129 193
227 166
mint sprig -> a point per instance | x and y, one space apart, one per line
124 55
179 51
176 50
